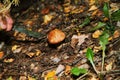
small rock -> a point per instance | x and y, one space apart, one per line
59 69
56 59
1 45
32 66
118 23
35 70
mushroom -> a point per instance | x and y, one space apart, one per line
55 36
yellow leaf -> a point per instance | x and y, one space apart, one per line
93 8
47 18
14 47
31 78
50 75
91 2
8 60
96 34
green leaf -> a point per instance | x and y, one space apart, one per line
106 10
104 40
27 32
77 71
99 25
115 16
10 78
85 22
89 55
83 70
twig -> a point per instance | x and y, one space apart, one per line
82 76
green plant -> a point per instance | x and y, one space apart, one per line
90 55
115 16
103 42
106 10
85 22
77 71
99 25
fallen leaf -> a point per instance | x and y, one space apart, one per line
94 13
1 54
114 7
96 49
105 19
45 11
14 47
28 22
31 78
67 9
67 69
96 34
9 60
47 18
30 54
78 39
93 7
38 52
109 66
23 78
50 76
116 34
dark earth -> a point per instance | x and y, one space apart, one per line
31 57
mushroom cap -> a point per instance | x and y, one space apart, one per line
55 36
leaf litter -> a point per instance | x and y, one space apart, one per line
27 54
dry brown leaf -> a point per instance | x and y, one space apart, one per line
38 52
95 12
114 7
96 34
78 39
93 7
105 19
9 60
30 54
91 2
67 9
45 11
96 49
67 69
116 34
28 23
109 66
110 38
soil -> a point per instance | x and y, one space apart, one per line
28 57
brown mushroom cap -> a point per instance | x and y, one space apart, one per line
55 36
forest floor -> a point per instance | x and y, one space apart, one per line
26 52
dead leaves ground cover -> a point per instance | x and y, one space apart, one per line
31 51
